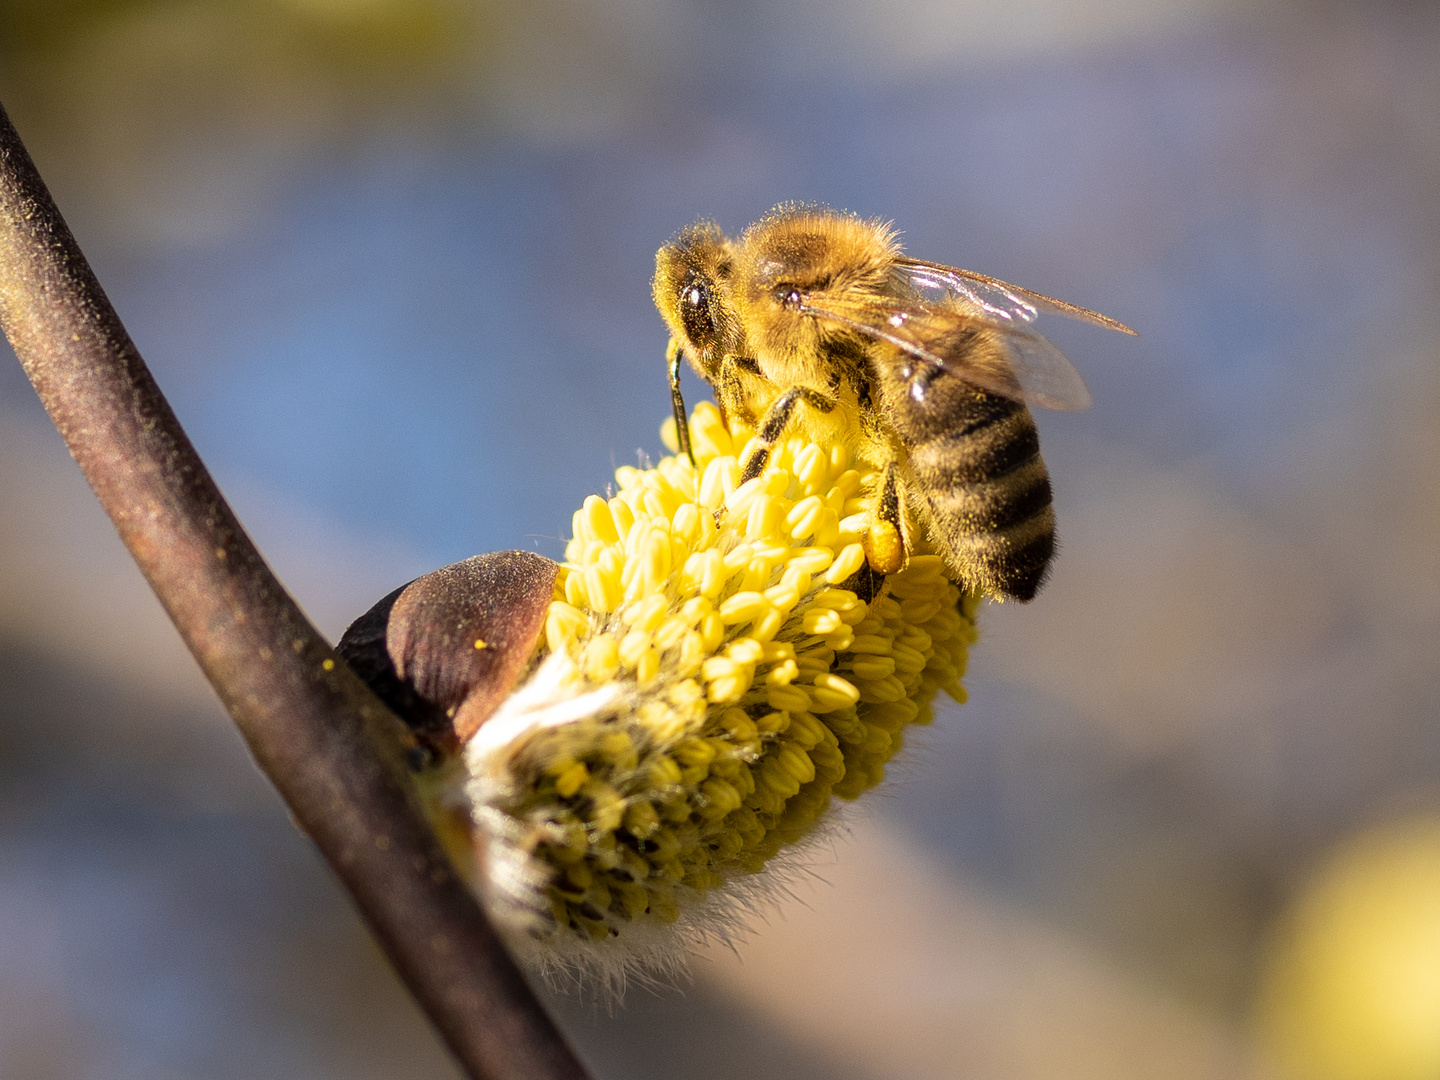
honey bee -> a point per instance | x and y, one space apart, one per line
814 317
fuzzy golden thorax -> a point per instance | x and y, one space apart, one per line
791 253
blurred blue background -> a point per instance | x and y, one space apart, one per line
390 261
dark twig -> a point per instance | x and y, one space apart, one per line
325 740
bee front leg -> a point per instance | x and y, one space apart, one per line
677 402
773 425
885 542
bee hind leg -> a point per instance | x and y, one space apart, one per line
885 542
773 425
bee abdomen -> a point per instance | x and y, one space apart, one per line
989 496
1004 562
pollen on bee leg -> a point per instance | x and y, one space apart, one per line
884 550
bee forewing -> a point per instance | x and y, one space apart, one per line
988 297
1029 369
942 287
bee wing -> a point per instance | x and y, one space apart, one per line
1028 368
986 297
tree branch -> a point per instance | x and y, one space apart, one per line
328 744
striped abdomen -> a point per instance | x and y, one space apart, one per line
975 460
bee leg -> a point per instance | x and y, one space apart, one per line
885 542
677 402
773 425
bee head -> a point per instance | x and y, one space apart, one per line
692 275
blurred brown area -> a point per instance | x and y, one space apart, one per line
390 260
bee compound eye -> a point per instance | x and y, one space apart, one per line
695 310
790 299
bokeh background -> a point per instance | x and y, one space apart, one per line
390 261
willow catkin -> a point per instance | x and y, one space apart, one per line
707 682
